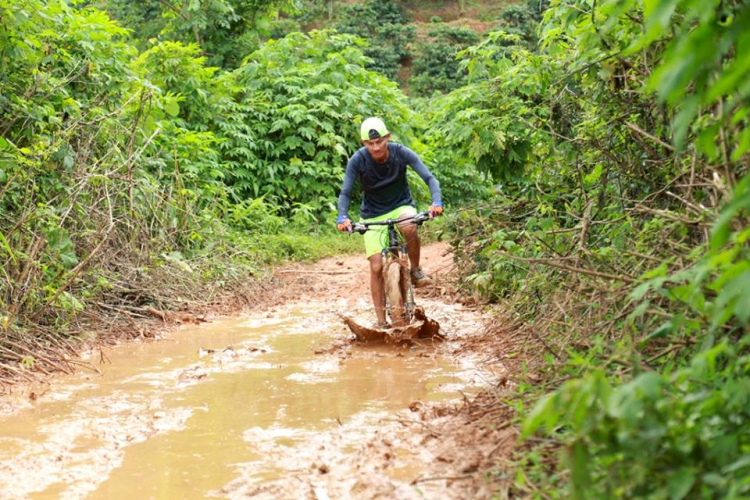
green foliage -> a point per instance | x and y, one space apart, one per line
183 148
618 232
228 30
702 65
300 102
436 68
144 17
383 23
180 70
58 67
522 20
484 125
459 183
256 215
678 434
314 11
715 291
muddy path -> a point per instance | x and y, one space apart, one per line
276 402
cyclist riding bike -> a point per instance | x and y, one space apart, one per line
380 167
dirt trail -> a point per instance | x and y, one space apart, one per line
346 281
456 444
326 419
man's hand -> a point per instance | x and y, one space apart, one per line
436 209
344 224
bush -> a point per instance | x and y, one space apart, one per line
633 293
436 68
383 23
300 102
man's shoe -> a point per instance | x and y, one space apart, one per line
381 325
419 279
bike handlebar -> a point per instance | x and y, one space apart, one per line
418 219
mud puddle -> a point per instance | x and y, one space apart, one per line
218 410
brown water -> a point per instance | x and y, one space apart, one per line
169 419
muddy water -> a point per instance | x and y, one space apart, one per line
243 399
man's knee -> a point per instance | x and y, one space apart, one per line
409 231
376 264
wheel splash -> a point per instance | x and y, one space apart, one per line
421 328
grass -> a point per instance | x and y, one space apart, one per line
300 246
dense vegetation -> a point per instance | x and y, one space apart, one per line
384 24
603 145
225 30
619 236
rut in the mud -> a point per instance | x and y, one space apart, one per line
238 407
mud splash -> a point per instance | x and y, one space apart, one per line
220 410
422 328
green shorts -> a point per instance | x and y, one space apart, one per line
376 238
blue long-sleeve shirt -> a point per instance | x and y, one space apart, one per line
384 185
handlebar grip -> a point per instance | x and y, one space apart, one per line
421 218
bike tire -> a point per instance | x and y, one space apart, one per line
394 294
407 292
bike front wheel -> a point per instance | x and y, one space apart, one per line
392 278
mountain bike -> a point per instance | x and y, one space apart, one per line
399 293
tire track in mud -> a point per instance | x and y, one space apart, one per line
370 452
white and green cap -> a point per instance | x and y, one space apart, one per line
372 128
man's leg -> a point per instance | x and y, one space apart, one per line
376 286
413 246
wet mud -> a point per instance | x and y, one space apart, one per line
276 403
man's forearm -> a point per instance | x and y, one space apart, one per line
434 185
343 204
346 191
431 182
424 173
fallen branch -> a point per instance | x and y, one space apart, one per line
156 313
578 270
636 128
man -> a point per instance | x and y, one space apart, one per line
380 168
